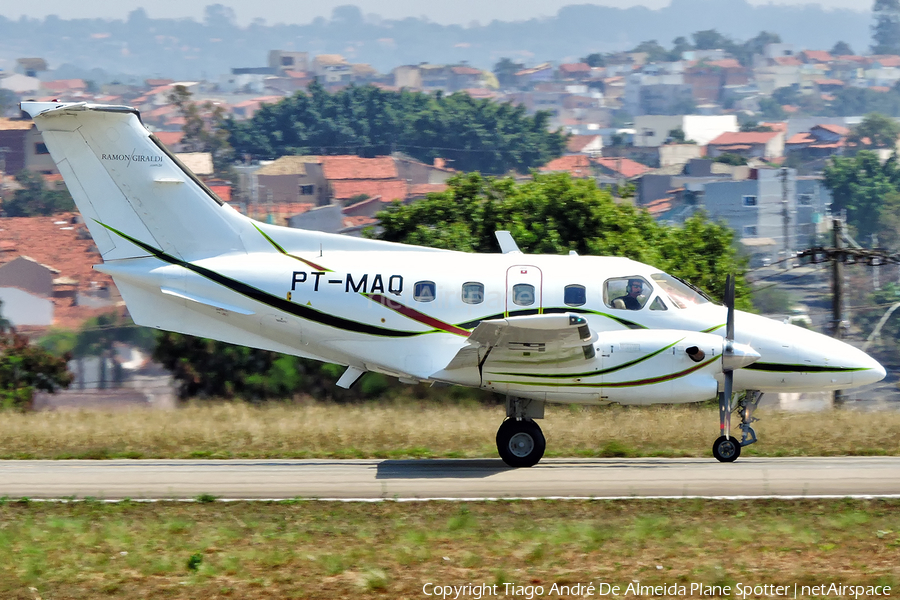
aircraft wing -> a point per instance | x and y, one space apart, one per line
527 340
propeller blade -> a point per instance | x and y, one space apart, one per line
729 303
727 352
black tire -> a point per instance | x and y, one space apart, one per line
520 443
727 450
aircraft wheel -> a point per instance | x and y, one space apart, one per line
520 443
727 450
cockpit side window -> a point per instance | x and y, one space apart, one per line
627 293
680 293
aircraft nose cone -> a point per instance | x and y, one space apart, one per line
740 356
872 372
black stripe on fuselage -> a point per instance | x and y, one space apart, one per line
268 299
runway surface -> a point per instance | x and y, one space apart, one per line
450 479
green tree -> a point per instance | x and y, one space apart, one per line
876 131
594 60
676 136
554 214
754 126
771 109
655 52
841 49
787 95
886 30
756 45
7 101
26 368
474 134
506 70
861 185
710 39
730 158
34 199
207 368
680 45
205 129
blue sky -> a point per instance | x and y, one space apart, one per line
304 11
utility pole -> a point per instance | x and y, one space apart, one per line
786 218
837 274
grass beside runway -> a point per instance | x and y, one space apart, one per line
405 430
310 549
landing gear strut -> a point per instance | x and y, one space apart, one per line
520 441
729 449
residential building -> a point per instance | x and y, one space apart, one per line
765 145
291 179
22 147
332 69
592 145
819 142
755 208
283 61
653 130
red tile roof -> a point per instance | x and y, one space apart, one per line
726 63
743 137
886 60
222 191
776 125
577 143
575 68
880 88
354 167
55 242
577 165
625 166
828 82
359 221
658 207
787 61
388 190
837 129
465 71
169 138
817 56
801 138
64 85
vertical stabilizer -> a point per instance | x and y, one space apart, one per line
124 180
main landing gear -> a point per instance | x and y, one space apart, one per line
520 441
729 449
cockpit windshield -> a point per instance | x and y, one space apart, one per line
682 294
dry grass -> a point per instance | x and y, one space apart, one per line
423 430
389 550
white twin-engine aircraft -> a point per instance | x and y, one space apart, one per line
565 329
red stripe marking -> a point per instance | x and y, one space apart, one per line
416 315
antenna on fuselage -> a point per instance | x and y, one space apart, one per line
507 243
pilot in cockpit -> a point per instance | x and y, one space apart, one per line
630 299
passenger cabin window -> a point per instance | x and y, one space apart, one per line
627 293
423 291
575 295
523 294
473 292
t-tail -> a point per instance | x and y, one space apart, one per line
129 188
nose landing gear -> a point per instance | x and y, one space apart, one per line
729 449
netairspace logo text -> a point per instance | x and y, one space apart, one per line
477 591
